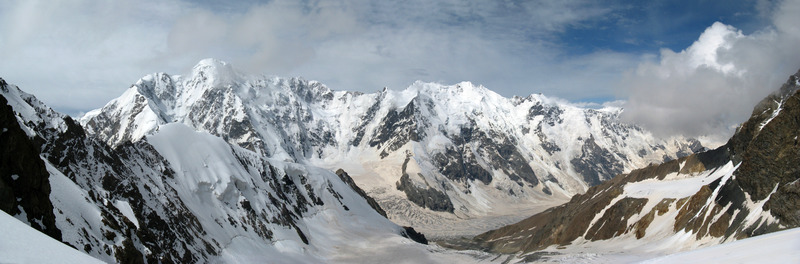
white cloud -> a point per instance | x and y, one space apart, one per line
78 54
710 87
75 54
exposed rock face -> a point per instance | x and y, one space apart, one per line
595 163
24 180
349 181
424 196
414 235
397 129
745 188
767 146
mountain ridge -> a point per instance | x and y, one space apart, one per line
463 143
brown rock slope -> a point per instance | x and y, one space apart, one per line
763 194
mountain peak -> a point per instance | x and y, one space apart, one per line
211 62
215 72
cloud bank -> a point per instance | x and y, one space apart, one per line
78 54
713 85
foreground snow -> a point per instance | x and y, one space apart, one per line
22 244
778 247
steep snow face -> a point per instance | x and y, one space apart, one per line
30 109
257 208
468 148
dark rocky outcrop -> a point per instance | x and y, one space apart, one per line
349 181
614 221
770 153
412 234
24 180
460 161
595 163
551 114
426 197
398 128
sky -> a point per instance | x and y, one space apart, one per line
694 67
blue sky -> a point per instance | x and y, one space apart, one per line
77 55
647 26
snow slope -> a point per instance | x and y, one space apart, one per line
778 247
23 244
213 185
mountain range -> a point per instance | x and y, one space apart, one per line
178 195
217 166
427 154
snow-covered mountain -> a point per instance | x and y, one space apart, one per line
745 188
426 153
179 195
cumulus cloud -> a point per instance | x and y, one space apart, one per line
711 86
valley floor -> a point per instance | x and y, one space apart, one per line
446 226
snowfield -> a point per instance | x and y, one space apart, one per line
22 244
778 247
